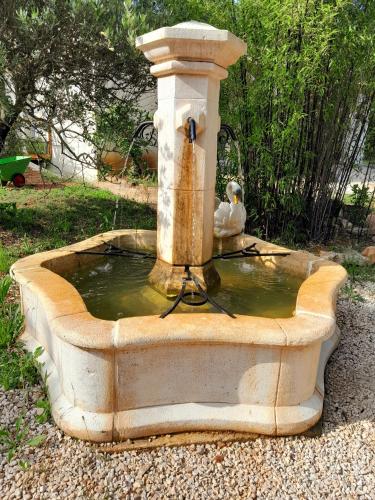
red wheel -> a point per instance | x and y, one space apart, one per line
18 180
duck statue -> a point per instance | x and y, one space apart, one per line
230 218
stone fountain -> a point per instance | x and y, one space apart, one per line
138 376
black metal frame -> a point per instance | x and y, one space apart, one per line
147 132
182 296
114 251
249 251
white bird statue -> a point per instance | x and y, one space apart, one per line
230 218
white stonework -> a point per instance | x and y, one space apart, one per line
189 60
139 376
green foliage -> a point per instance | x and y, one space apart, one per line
360 196
349 292
16 437
66 61
17 367
358 273
357 211
369 149
44 407
299 101
114 131
10 318
5 261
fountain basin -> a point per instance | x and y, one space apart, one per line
139 376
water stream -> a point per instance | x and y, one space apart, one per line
193 187
118 205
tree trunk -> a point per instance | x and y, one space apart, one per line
5 128
4 131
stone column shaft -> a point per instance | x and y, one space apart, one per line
189 62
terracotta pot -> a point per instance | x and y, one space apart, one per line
151 158
114 160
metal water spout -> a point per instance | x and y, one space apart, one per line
192 128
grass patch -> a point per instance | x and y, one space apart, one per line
18 369
44 220
14 438
359 272
33 221
349 292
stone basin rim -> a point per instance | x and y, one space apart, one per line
309 324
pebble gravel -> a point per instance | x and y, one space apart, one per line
339 464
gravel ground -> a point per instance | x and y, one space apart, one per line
339 464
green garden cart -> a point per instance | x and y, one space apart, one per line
12 170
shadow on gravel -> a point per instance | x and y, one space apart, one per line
350 372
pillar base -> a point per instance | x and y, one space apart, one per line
167 279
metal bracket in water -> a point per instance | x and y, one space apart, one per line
183 296
114 251
249 251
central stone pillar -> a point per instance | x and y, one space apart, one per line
189 60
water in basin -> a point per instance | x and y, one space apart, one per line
117 287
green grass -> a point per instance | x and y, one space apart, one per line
17 368
43 220
33 221
358 272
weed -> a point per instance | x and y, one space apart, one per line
17 367
44 413
16 437
10 318
5 261
358 272
351 293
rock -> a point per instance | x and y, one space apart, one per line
370 221
369 252
349 255
329 255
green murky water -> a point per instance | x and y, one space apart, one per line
117 287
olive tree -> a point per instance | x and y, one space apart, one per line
66 62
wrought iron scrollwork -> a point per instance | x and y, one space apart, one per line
147 133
